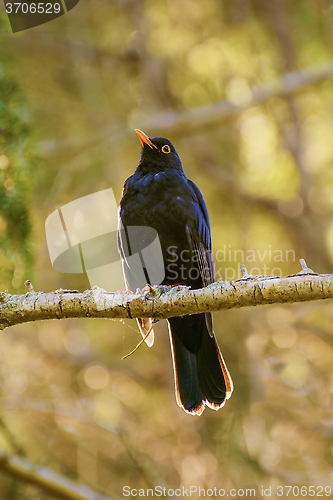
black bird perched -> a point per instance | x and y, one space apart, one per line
160 196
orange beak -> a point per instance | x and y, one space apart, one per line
144 139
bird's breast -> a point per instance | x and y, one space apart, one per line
156 199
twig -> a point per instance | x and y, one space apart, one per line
305 269
29 286
17 447
47 480
243 271
138 345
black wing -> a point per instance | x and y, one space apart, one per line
200 240
199 236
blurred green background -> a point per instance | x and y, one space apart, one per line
71 93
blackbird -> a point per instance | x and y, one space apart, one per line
160 196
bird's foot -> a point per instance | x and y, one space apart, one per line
153 292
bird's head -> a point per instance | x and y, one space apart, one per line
158 152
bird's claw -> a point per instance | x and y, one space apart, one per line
153 292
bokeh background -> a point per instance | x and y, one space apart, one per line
71 93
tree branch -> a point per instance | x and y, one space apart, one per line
196 118
47 480
183 123
161 302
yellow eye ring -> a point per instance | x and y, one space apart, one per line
166 149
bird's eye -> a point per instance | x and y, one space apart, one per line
166 149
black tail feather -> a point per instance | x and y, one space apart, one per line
201 376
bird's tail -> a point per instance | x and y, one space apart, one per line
201 376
